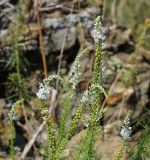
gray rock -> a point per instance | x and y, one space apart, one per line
55 41
54 30
54 23
84 16
3 33
92 10
73 19
53 38
144 87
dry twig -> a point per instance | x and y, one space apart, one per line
41 38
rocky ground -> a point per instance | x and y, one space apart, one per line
67 29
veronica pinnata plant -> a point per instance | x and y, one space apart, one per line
58 140
141 150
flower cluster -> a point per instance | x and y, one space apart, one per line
126 130
43 91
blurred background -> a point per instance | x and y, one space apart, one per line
58 30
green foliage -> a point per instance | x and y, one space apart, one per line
90 1
50 130
67 101
142 149
17 59
17 62
13 60
142 35
127 12
78 115
107 7
128 76
17 87
86 150
13 135
120 152
115 63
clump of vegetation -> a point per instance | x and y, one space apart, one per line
17 62
92 96
142 148
59 137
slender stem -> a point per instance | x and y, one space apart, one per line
63 46
12 150
19 32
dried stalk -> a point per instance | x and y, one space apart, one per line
43 53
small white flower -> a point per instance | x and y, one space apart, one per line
86 125
43 92
126 132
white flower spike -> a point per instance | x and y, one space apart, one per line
98 32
